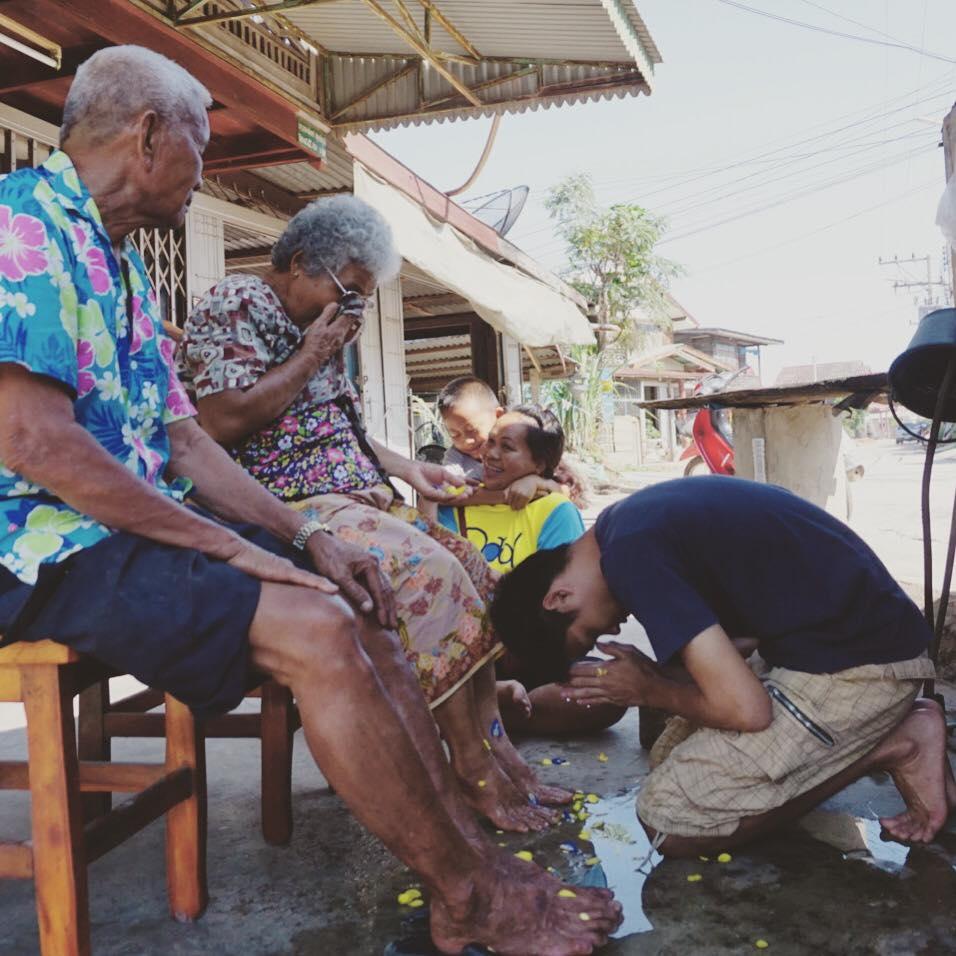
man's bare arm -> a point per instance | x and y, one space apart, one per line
227 490
722 693
41 440
224 487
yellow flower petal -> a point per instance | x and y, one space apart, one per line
592 798
602 757
568 894
545 761
487 745
761 944
584 917
482 783
416 903
584 835
694 878
525 855
724 858
592 861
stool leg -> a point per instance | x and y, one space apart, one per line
276 732
59 862
93 743
186 822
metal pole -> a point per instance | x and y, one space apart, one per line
949 148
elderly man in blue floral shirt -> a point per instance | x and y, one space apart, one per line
99 448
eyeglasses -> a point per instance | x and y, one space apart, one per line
352 303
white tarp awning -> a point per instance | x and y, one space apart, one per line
508 300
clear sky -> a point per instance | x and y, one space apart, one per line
836 141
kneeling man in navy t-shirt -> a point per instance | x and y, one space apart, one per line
713 568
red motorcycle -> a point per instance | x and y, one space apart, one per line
711 450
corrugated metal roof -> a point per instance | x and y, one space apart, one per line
302 178
555 29
559 51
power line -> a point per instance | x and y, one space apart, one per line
837 33
814 232
799 194
773 154
856 23
765 205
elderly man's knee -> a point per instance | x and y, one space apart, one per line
318 635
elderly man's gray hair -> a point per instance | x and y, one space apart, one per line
117 84
334 232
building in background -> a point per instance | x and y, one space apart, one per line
294 94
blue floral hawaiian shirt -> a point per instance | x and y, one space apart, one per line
67 313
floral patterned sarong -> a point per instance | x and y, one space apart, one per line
441 596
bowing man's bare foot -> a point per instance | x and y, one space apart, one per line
517 909
915 756
490 793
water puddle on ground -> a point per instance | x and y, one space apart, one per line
856 837
608 848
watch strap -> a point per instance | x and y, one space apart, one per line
306 531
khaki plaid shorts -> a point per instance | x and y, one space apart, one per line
705 781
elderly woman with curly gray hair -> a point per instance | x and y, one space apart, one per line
264 357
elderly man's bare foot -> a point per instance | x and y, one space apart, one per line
915 756
517 909
493 796
525 779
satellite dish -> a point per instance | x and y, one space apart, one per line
499 210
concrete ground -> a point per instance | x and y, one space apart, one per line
828 885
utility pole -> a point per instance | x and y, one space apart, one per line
935 291
949 148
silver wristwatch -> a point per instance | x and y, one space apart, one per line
306 531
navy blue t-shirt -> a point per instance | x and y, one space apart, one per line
761 562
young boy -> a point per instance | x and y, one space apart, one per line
707 565
469 408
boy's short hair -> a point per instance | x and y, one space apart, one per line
465 385
545 437
534 635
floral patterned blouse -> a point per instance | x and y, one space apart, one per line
238 332
73 312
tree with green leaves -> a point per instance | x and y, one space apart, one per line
612 262
611 254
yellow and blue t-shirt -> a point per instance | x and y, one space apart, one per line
506 537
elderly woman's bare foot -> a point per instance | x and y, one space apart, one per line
524 778
493 796
517 909
915 756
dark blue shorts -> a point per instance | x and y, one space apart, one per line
174 618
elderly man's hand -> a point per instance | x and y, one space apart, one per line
438 483
357 573
266 566
623 680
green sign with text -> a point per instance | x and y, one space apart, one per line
311 137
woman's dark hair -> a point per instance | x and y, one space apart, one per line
535 636
545 437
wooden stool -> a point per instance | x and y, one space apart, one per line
102 719
45 677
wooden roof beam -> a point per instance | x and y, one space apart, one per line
250 152
423 51
34 74
453 31
120 21
263 11
370 91
249 187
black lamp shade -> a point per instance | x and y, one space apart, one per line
916 375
